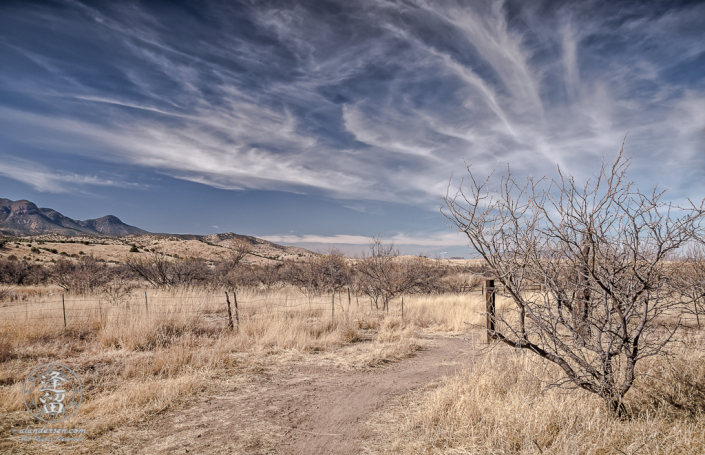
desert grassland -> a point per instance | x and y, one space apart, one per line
137 358
507 402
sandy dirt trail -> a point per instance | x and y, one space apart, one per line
302 410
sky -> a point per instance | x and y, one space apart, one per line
324 123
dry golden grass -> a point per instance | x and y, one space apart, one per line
448 312
136 358
502 405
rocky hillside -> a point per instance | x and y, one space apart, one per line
60 235
22 217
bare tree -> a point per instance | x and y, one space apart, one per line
383 275
15 272
269 275
154 268
239 251
331 270
80 277
600 251
303 275
163 272
690 270
117 290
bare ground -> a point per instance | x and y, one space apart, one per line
297 409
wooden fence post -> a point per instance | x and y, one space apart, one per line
237 312
63 305
230 314
490 308
146 306
349 300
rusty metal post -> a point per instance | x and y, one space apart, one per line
490 308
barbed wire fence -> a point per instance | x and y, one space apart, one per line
72 310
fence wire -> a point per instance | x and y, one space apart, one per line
213 306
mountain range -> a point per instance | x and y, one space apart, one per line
25 218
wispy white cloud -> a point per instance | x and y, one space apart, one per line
42 179
380 102
426 240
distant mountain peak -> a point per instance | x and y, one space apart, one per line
23 217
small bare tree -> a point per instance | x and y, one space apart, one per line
383 275
80 277
155 268
239 251
117 290
690 270
600 251
303 275
163 272
5 293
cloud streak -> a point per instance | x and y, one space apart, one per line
42 179
432 240
361 101
305 104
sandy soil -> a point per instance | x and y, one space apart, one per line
299 409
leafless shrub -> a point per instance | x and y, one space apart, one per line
690 271
5 293
233 276
600 251
118 289
80 277
269 276
460 283
382 275
302 274
239 251
318 274
16 272
154 268
161 271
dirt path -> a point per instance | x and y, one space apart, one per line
304 410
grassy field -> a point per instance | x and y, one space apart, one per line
506 404
140 357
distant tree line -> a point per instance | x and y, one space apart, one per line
380 273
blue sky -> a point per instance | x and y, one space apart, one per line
323 123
